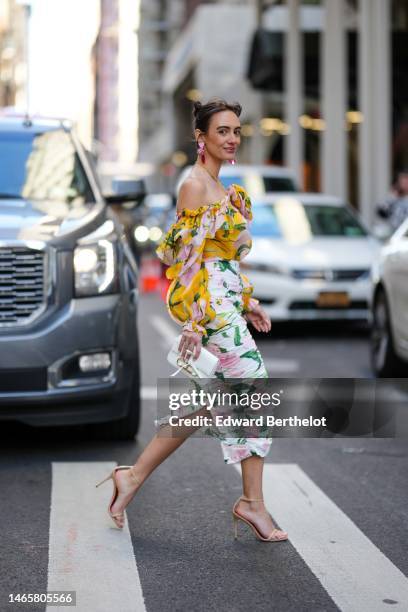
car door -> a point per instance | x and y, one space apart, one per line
399 280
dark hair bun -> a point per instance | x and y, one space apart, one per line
197 106
236 108
202 113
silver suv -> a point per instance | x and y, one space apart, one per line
68 287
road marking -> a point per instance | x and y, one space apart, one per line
354 572
396 394
148 393
167 331
87 554
281 365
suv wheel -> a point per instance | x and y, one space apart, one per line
384 360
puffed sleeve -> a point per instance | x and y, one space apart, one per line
188 298
242 202
248 300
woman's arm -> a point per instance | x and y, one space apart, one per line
253 311
192 196
259 319
249 302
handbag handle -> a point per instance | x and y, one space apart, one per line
184 365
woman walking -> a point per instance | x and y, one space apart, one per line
212 300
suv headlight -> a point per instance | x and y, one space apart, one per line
95 268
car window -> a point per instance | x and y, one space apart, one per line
279 183
333 221
267 183
294 221
265 222
42 166
229 180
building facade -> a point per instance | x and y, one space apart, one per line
116 83
322 84
343 75
13 53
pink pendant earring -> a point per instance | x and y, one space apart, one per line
200 151
232 161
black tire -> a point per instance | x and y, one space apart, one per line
127 427
385 362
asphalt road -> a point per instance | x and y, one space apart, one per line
180 553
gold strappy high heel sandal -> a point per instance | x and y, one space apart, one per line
276 535
112 475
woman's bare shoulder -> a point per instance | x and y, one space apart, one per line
192 194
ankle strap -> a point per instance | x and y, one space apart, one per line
250 500
133 477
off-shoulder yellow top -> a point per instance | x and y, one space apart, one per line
217 230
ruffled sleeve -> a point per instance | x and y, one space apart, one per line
242 201
248 301
188 299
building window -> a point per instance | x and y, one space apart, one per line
399 86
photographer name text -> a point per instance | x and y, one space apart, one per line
259 421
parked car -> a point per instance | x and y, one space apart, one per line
310 258
68 287
257 180
389 304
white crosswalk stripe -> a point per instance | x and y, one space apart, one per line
354 572
166 330
281 365
148 393
86 554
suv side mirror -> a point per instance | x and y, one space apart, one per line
125 190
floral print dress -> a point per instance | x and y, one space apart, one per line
208 293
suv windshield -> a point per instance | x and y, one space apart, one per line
42 166
291 221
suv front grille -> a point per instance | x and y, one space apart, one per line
22 280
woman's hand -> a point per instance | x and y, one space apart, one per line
190 345
259 319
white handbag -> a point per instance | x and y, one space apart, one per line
202 367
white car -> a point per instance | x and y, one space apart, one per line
389 338
257 180
311 258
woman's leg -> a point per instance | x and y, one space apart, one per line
231 341
252 472
239 358
160 447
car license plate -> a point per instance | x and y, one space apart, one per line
327 299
